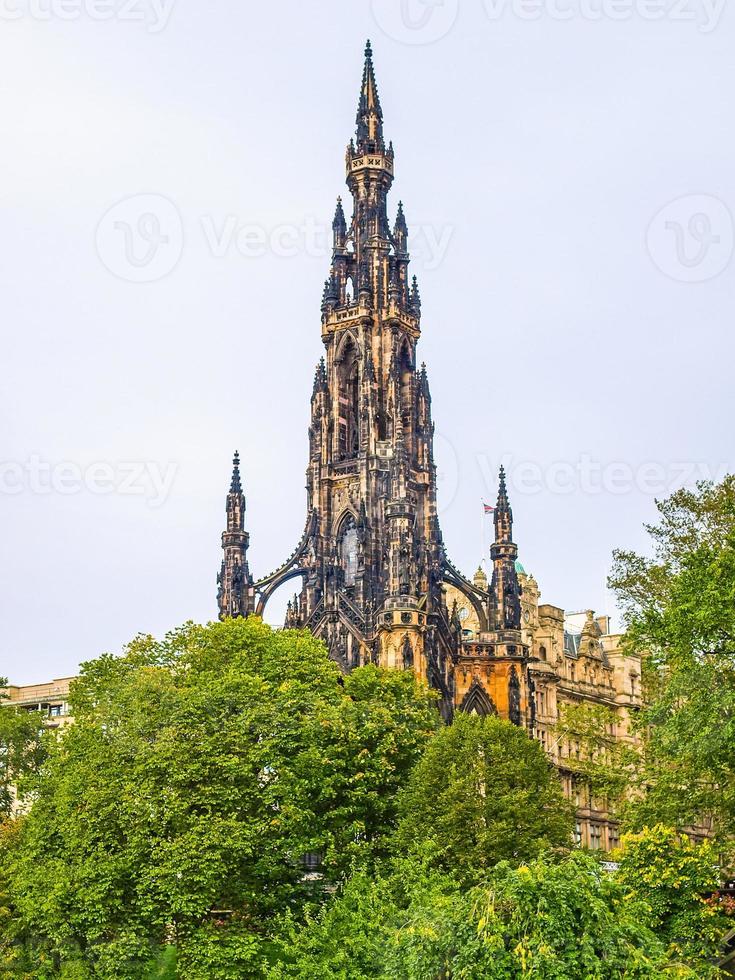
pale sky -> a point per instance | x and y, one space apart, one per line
567 169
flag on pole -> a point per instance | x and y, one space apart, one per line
488 508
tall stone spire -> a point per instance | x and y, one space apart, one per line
371 558
369 114
235 594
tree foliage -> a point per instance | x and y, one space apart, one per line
21 750
199 771
677 881
544 920
680 615
483 792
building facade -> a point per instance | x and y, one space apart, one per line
51 699
376 583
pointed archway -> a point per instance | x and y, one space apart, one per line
477 701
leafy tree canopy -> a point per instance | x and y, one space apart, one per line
680 615
198 773
21 749
549 921
677 881
483 792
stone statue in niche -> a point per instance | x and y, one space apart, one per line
407 654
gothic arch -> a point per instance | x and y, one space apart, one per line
469 592
478 701
274 583
347 342
346 516
405 353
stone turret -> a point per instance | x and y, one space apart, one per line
235 594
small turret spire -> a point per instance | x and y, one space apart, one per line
339 225
320 376
415 297
400 232
401 225
235 593
505 592
424 382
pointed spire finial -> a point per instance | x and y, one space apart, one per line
369 114
339 226
503 516
236 485
400 229
415 297
339 216
503 503
320 376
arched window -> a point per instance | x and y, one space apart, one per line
406 369
349 399
542 653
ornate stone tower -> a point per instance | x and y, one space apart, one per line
492 672
372 562
235 594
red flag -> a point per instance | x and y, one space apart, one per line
488 508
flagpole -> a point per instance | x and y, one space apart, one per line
482 531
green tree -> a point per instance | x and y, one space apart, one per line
21 756
679 607
677 880
483 792
563 920
346 939
198 772
21 749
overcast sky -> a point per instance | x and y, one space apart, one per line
168 173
